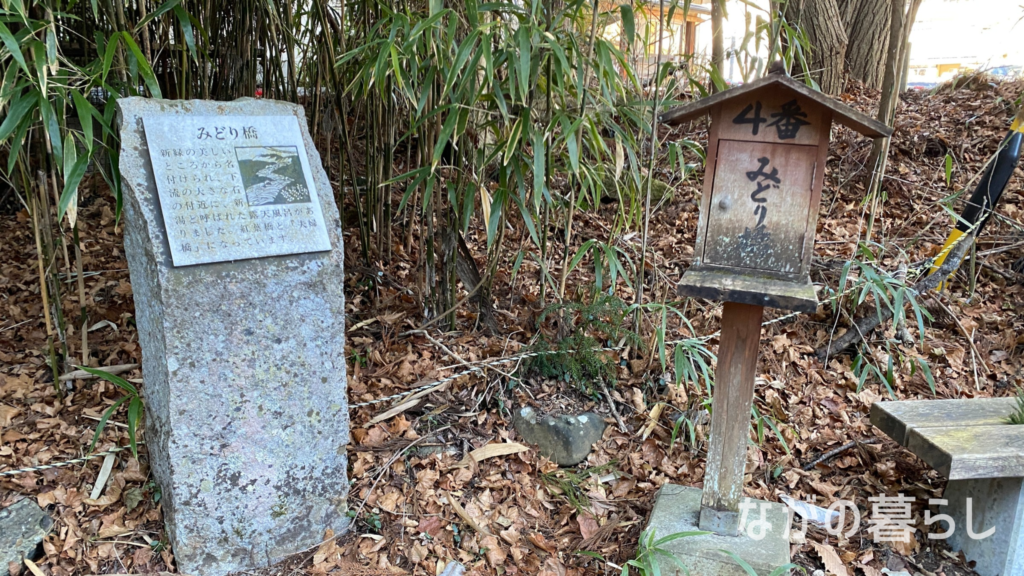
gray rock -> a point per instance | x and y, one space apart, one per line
453 568
23 525
244 360
566 440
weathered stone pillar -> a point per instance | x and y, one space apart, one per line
235 250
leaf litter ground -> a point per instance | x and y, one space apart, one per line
422 502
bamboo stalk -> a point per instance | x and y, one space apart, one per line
43 291
650 173
579 138
83 314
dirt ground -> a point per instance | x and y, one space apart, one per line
519 514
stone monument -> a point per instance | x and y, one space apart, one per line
235 251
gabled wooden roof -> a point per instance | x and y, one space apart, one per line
840 112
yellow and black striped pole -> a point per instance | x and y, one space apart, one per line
990 187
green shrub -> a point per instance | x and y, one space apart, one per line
578 354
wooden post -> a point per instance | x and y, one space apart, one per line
730 418
767 146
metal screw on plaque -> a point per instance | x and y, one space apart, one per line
767 145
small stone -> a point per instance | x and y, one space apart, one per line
566 440
23 525
454 569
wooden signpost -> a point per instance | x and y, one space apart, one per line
765 168
767 148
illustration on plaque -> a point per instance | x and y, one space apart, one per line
272 175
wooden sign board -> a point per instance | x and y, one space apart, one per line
767 147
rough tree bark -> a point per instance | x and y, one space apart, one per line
867 27
822 22
886 111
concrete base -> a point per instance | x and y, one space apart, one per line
995 503
765 548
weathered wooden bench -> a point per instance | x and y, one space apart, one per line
983 458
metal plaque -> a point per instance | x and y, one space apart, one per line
234 187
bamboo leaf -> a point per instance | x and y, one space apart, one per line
52 128
574 149
513 139
16 142
163 9
539 168
445 136
525 52
134 415
396 67
527 219
628 23
13 47
113 379
620 158
103 420
9 85
108 56
40 65
460 60
423 25
186 30
51 50
144 69
85 111
72 178
21 107
580 254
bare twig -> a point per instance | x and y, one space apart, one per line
456 356
615 411
836 452
967 335
384 469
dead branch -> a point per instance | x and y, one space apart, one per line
836 452
615 411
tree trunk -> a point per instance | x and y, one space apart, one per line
867 25
886 111
822 22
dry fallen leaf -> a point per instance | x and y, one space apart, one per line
32 566
465 516
588 525
868 570
541 542
490 451
392 412
833 564
7 414
906 548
